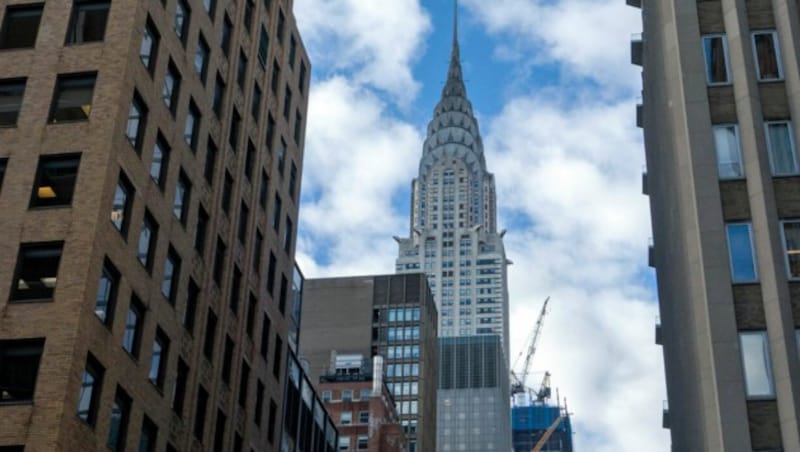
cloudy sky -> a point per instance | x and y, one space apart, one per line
554 92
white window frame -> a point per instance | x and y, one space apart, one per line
346 418
778 58
767 362
786 251
790 128
727 58
738 150
752 251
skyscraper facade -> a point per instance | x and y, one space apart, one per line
455 242
150 161
720 113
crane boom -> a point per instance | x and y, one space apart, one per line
547 434
518 385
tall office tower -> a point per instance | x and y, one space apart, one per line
393 316
454 240
720 116
152 153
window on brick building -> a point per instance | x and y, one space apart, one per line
106 296
148 237
118 423
37 271
191 128
91 385
172 87
19 368
210 337
72 100
179 391
88 21
201 231
149 436
11 93
200 413
183 190
160 164
172 271
21 26
134 323
148 48
201 56
55 180
121 206
181 21
158 360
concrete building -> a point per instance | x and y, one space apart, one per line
720 113
150 162
454 240
357 398
393 316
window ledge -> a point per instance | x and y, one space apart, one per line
25 402
30 300
51 122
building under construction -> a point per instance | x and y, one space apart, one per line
531 421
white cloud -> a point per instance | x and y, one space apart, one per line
377 41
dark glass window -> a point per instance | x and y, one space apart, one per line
19 367
219 430
244 383
219 95
182 17
270 138
148 49
91 385
276 362
106 296
259 410
158 360
210 6
250 160
134 321
225 38
3 165
249 6
287 235
211 161
273 412
241 70
287 102
293 181
227 360
179 392
118 424
200 413
180 205
258 245
149 436
148 237
301 78
37 271
121 206
283 294
271 273
292 51
88 22
219 261
227 193
233 135
282 157
281 26
244 215
72 100
237 442
55 180
191 127
11 93
255 106
190 312
21 26
172 270
276 212
298 126
172 87
201 231
160 163
263 190
265 327
137 122
236 286
210 338
276 77
251 314
263 47
201 58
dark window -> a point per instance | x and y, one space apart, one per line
200 413
201 58
276 77
137 122
191 306
283 293
201 231
271 273
219 95
227 360
121 207
149 436
270 132
172 87
183 190
259 403
148 237
72 100
219 261
210 6
293 181
241 71
282 157
20 26
160 162
273 411
211 332
276 362
277 205
158 360
225 38
301 78
118 424
236 286
244 215
251 314
255 106
172 271
258 245
91 385
88 23
55 180
244 383
292 50
219 430
250 161
249 6
281 26
227 193
287 102
287 235
148 49
37 271
11 93
263 47
179 392
237 442
19 367
3 164
263 190
106 296
233 135
265 327
191 127
298 126
134 321
211 161
182 17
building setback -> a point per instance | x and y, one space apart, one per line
720 113
150 163
393 316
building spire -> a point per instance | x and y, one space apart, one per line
454 84
455 22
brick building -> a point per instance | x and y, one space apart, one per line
150 161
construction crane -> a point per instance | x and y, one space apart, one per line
548 433
518 380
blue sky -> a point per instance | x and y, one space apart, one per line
554 92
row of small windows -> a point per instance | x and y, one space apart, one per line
780 147
72 99
766 52
743 262
21 24
346 395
